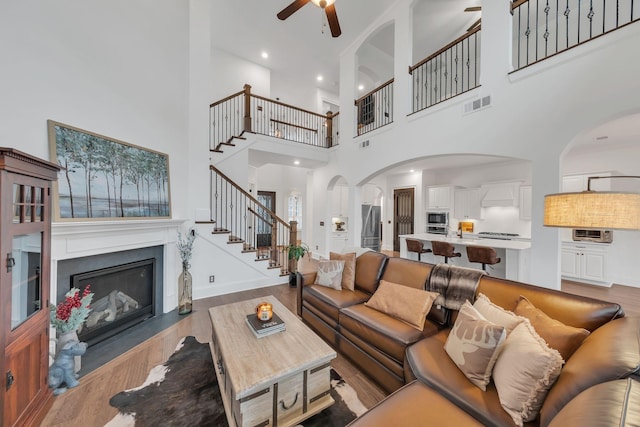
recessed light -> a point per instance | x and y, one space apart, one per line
361 87
265 55
319 78
297 162
411 170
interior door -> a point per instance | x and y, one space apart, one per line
263 226
403 208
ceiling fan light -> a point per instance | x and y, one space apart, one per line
323 3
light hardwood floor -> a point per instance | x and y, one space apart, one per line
88 404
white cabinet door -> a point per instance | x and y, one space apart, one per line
467 203
439 197
570 263
525 202
573 183
593 266
340 201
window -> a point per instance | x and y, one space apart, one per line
295 209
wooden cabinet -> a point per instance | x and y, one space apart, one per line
467 203
584 262
25 230
439 197
525 202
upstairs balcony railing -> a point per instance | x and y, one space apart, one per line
449 72
246 221
375 109
246 112
543 28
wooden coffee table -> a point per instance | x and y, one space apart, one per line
277 380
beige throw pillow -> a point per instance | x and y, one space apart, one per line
330 274
474 344
524 372
405 303
349 272
496 314
566 339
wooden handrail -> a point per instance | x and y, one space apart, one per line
226 99
260 217
447 47
373 91
288 106
249 196
295 126
517 3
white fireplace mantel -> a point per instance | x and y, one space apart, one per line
79 239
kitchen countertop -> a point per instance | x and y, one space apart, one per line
473 240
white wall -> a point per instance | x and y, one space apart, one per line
229 74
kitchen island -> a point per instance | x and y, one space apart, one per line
514 254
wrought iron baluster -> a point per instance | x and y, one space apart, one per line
528 30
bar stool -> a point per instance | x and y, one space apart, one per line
483 255
444 249
416 246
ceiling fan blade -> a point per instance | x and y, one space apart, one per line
291 9
332 17
474 25
473 9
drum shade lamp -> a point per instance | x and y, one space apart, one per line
593 209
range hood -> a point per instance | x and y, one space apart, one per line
499 195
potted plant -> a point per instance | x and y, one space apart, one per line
295 253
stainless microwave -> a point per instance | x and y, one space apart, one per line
585 235
440 218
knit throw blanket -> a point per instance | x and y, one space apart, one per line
454 284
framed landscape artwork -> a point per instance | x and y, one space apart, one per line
103 178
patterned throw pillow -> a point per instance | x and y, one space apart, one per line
330 274
349 272
524 372
496 314
408 304
474 344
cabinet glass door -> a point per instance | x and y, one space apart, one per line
25 264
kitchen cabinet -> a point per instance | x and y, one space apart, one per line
439 197
25 227
340 201
577 183
526 202
584 262
467 203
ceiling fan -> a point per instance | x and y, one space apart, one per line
328 7
474 9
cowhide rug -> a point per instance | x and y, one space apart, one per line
184 392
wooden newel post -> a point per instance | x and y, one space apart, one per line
329 129
247 108
293 240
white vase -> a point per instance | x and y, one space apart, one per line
64 338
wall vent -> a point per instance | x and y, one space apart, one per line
477 104
364 144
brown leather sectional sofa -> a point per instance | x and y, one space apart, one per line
599 384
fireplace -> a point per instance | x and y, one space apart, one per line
123 296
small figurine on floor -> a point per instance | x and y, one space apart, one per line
61 373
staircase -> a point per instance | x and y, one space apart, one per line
240 219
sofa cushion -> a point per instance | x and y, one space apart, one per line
496 314
329 301
330 274
524 372
614 403
407 272
572 310
349 271
407 304
415 405
611 352
473 345
565 339
430 364
369 268
389 335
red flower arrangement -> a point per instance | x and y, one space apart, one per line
71 313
